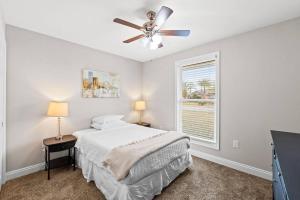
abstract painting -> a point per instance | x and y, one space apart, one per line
98 84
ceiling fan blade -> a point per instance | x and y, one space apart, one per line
134 38
126 23
162 16
183 33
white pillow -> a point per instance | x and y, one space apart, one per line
106 118
96 126
114 124
109 125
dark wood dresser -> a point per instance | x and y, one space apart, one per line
286 165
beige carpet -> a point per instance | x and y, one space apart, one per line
206 180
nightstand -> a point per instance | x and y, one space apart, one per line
54 145
144 124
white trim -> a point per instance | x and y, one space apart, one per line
222 161
197 59
234 165
204 143
178 64
3 136
24 171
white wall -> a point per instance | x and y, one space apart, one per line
2 96
259 90
40 69
260 86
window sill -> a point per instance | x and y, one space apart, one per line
199 142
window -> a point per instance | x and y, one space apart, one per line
197 100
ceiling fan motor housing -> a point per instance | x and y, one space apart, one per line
151 15
148 26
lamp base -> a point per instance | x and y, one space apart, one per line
59 137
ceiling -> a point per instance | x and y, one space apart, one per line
90 22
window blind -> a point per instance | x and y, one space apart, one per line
198 102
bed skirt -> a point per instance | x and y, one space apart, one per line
144 189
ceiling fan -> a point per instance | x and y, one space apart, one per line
152 29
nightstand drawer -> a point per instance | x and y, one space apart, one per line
61 147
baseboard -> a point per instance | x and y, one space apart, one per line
235 165
24 171
222 161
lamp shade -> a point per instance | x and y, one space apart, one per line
58 109
140 105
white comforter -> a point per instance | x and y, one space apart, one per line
95 144
146 178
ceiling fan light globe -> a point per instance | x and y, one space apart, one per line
145 42
153 46
157 39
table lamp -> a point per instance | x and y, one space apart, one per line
59 110
140 106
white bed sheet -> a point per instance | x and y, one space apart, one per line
95 144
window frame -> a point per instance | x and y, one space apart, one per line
178 97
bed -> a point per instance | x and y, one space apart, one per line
146 178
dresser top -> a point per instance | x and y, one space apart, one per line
287 147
